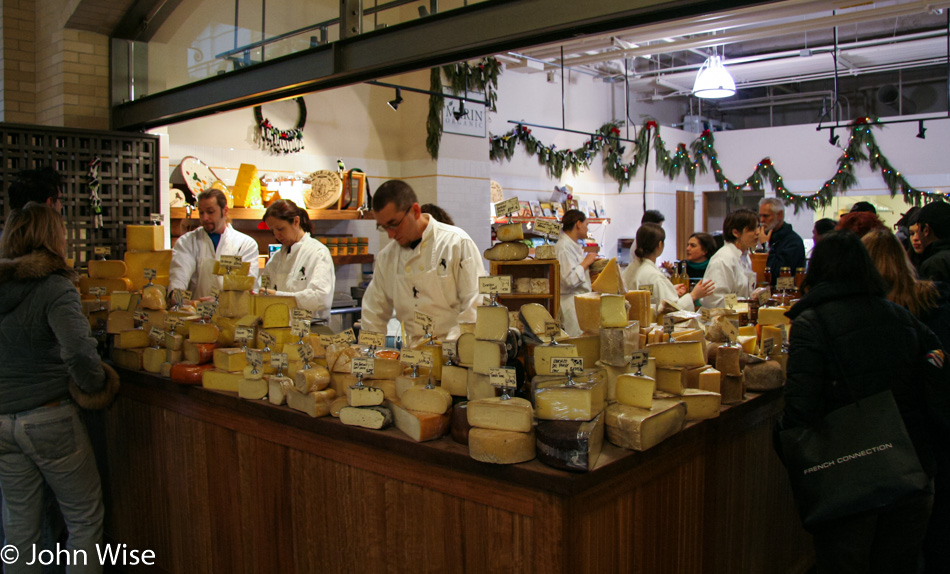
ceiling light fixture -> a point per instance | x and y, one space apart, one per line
394 104
713 80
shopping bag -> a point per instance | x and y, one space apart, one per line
857 458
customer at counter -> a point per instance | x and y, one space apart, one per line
933 229
651 240
195 252
302 267
786 248
429 267
700 247
574 265
730 269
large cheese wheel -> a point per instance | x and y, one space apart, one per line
189 373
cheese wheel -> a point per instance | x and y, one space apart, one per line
500 447
199 353
189 373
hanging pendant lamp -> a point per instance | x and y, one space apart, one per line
713 80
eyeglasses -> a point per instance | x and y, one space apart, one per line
393 226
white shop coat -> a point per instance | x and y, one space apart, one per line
439 278
193 258
731 270
575 280
663 288
305 271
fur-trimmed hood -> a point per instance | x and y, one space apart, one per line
36 265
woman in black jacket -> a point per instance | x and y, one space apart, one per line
845 327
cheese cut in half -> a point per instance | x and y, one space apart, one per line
316 404
130 359
234 304
203 333
510 232
640 429
545 252
710 380
252 389
435 400
700 405
609 280
491 323
420 426
404 383
174 341
364 396
152 359
119 321
112 269
685 354
507 251
217 380
640 309
276 316
587 308
513 414
375 417
617 344
313 379
144 237
199 353
500 447
635 391
278 388
535 317
571 445
336 406
455 380
613 311
124 301
579 402
479 386
727 361
773 316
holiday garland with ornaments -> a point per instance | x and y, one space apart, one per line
701 156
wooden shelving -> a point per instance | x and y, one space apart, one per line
257 214
547 269
349 259
520 219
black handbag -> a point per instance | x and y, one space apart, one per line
857 458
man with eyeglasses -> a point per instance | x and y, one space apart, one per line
42 185
430 267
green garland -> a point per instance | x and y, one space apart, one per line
862 147
481 78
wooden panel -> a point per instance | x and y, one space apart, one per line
685 224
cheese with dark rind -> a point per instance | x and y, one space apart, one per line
374 417
727 361
732 389
420 426
513 414
640 429
501 447
460 426
364 396
189 373
570 445
764 376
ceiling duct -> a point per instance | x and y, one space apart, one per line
890 95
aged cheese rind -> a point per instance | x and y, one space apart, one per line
732 389
641 429
501 447
513 414
420 426
460 426
374 417
510 232
571 445
764 376
507 251
727 361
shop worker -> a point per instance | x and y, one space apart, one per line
302 267
786 248
195 252
933 232
730 269
575 267
429 267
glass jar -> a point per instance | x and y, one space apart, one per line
799 277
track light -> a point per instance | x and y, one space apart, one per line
832 136
713 80
394 104
921 130
461 112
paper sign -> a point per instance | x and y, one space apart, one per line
306 351
498 284
243 334
255 357
156 334
705 314
551 329
171 322
150 274
298 314
415 358
547 227
647 287
730 328
278 360
268 339
784 333
364 366
450 348
767 346
156 218
205 308
97 291
667 324
265 282
300 328
344 338
639 359
565 365
101 250
730 300
507 206
424 321
371 339
785 284
138 316
326 340
763 297
230 261
502 377
216 293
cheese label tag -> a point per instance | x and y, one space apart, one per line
101 250
243 334
731 300
730 328
138 316
255 357
784 333
371 339
705 314
216 293
424 321
278 360
767 346
298 314
551 329
344 337
364 366
230 261
306 351
507 206
326 340
265 282
639 359
668 324
450 348
205 308
171 322
647 287
546 227
156 218
502 378
300 328
763 297
785 284
179 296
415 358
97 291
498 284
268 339
350 336
566 365
156 334
150 273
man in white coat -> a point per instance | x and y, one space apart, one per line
195 252
430 267
575 267
730 268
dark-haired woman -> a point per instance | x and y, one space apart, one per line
849 342
730 268
651 239
575 265
302 267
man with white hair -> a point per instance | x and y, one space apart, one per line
786 248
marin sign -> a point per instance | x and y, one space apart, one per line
471 118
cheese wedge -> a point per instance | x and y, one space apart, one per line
640 309
375 417
700 405
217 380
434 351
488 355
545 252
612 376
252 389
500 447
579 402
513 414
203 333
587 308
110 285
609 280
230 360
773 316
276 316
455 380
313 379
336 406
420 426
247 186
613 311
479 386
144 237
540 356
510 232
234 303
237 282
710 380
152 359
535 317
124 301
491 323
571 445
130 359
364 396
640 429
727 361
404 383
465 349
131 339
683 354
636 391
119 321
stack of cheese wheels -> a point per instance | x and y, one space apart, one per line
502 430
511 246
145 250
386 372
233 311
423 412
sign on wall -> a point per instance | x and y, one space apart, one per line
472 123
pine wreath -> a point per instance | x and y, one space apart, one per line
276 140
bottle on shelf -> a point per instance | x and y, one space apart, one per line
684 276
766 278
799 278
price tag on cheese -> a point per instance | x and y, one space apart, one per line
547 227
567 365
150 273
551 329
268 339
156 218
639 359
230 261
306 351
216 293
97 291
300 328
424 321
102 251
371 339
298 314
507 206
502 377
498 284
767 346
156 335
205 308
265 282
364 366
763 297
139 316
450 348
415 358
730 300
172 322
784 330
647 287
668 324
255 357
730 328
326 340
279 361
705 314
345 337
785 284
243 334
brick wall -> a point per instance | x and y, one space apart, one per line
18 69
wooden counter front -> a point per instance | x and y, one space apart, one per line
213 483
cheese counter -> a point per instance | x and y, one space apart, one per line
213 483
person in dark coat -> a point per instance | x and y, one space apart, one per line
845 330
933 229
786 248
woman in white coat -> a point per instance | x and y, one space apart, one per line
651 239
302 267
731 267
574 264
